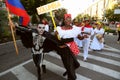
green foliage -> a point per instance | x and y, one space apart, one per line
106 28
82 17
34 19
49 1
110 31
6 32
31 5
0 3
79 18
3 22
15 19
3 17
4 28
59 14
109 14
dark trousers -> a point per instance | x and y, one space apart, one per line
36 59
69 60
118 36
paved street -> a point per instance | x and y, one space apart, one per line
101 65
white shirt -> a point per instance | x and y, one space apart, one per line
69 33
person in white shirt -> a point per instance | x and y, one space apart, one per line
69 32
66 34
87 30
78 41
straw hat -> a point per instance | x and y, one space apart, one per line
99 23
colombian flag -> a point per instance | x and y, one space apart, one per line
17 8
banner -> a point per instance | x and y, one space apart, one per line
49 7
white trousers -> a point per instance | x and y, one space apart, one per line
86 44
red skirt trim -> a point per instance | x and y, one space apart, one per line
73 47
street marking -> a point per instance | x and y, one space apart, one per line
23 74
59 70
110 54
109 61
53 54
100 69
111 48
19 69
11 69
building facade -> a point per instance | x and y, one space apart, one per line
97 9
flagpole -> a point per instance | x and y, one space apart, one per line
53 20
11 27
54 23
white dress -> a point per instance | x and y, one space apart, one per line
96 44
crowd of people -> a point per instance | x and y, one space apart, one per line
81 35
71 37
95 37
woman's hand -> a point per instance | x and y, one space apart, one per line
80 37
85 36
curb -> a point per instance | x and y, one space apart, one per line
110 33
8 42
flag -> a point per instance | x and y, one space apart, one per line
17 8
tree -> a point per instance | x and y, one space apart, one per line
59 15
31 5
34 19
79 18
4 28
109 14
0 3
